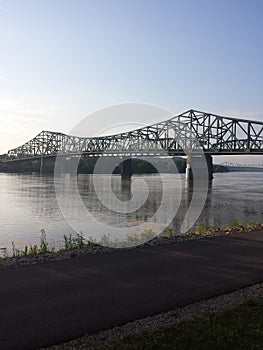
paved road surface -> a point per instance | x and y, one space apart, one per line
58 301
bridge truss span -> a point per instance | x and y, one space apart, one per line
185 133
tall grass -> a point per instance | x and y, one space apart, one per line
71 242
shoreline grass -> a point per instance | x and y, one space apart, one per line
78 242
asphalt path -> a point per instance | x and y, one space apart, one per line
54 302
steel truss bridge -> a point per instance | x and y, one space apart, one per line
185 133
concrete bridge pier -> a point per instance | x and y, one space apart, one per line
126 169
47 165
196 161
209 162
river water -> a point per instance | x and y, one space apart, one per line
29 204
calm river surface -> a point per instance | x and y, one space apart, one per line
29 204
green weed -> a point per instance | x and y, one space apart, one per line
234 224
170 232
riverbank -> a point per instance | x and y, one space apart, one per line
53 303
91 249
194 320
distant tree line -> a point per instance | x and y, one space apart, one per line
217 168
142 166
139 166
86 165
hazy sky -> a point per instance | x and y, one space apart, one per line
61 60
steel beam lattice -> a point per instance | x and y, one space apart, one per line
187 132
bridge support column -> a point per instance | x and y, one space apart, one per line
41 166
47 165
209 162
195 161
188 170
126 169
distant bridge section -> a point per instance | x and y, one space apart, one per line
241 165
183 134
